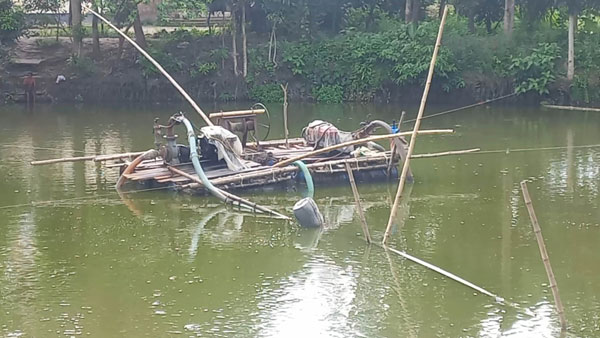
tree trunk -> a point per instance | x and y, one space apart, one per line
244 41
223 45
441 10
101 13
234 53
408 11
122 40
571 56
95 32
76 29
140 38
471 24
509 16
371 17
271 42
416 6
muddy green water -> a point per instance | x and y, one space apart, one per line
156 264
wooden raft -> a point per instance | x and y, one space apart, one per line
155 172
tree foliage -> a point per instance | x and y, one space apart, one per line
12 21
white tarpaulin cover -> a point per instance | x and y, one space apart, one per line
228 146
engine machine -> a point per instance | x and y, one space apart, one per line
215 142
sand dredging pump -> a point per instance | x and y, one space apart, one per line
214 145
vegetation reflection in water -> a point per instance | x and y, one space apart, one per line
156 263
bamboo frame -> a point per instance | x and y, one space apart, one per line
360 141
542 246
413 139
240 178
232 197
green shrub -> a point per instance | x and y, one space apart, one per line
226 97
536 71
166 60
202 69
361 63
328 94
266 93
82 65
181 34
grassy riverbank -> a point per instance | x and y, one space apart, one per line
388 62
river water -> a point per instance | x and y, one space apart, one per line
78 259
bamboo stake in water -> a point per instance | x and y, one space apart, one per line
285 113
361 214
413 138
540 241
157 65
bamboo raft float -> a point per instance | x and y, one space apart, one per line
154 173
325 166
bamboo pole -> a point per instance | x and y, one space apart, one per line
540 241
64 159
361 141
446 153
157 65
236 113
287 169
449 275
95 158
102 158
361 213
413 139
571 108
231 196
285 113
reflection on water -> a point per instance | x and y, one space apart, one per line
91 262
313 303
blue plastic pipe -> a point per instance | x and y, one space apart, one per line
307 177
196 161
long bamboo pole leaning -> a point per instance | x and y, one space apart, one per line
360 141
542 246
232 197
413 139
361 214
156 64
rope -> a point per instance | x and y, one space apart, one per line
462 108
